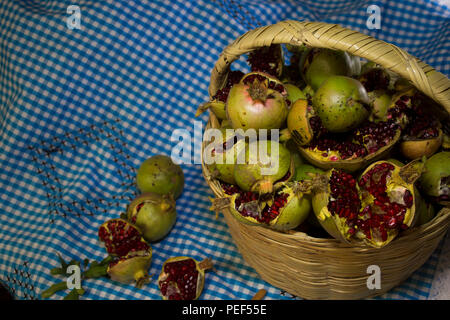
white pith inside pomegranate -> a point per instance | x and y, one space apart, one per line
182 278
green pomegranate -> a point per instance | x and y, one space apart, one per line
341 103
435 181
160 175
153 214
254 104
318 64
251 175
229 147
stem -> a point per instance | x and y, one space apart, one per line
74 294
258 90
206 264
53 289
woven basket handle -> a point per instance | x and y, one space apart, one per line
318 34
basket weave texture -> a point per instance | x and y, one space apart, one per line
315 268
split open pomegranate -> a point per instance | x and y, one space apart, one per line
285 209
182 278
350 151
133 255
374 209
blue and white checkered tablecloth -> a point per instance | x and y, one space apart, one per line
80 109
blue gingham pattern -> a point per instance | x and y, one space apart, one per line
81 109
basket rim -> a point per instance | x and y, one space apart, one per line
333 36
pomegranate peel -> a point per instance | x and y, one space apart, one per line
298 122
217 107
416 148
131 268
183 278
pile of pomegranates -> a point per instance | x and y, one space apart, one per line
360 151
149 218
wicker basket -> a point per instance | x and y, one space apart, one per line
314 268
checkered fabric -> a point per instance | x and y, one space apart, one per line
80 109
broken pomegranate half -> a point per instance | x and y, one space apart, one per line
132 254
285 209
182 278
388 201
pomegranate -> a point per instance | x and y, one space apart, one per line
158 174
336 203
217 103
374 209
255 105
133 255
285 209
435 181
183 278
422 135
131 268
350 151
341 103
388 201
318 64
153 214
229 148
262 169
267 59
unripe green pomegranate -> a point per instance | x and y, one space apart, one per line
153 214
341 103
435 181
160 175
319 64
